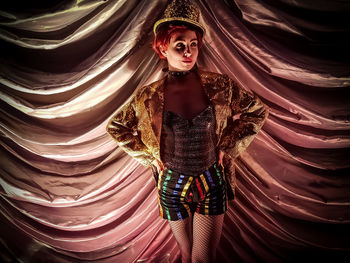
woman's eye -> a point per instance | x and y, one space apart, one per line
180 46
194 44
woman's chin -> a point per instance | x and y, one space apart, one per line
188 66
182 67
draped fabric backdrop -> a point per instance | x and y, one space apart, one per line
69 194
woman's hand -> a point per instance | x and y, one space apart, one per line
221 157
158 165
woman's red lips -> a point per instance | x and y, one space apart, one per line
188 61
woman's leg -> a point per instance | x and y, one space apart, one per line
182 230
206 236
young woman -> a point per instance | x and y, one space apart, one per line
188 127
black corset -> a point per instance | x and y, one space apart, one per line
188 146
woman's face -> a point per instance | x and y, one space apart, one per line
182 51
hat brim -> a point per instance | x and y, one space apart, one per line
178 21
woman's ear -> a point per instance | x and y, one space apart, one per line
163 51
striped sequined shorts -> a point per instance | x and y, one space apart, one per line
180 194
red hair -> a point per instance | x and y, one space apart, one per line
164 34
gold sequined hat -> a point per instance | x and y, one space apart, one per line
181 12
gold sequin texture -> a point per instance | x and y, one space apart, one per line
180 10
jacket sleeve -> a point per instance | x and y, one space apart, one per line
248 115
123 129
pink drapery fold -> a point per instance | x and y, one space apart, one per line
69 194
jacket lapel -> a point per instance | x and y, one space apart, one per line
220 102
154 106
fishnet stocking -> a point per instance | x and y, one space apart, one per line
205 237
182 230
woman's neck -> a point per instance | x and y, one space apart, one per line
177 75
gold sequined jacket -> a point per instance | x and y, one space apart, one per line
137 126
